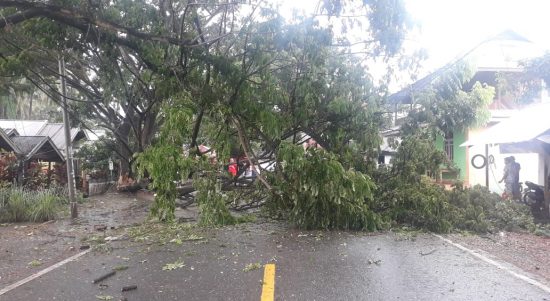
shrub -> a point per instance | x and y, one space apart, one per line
17 207
45 207
406 197
35 178
511 216
8 167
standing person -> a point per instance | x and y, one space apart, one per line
508 178
515 168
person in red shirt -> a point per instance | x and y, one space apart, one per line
232 167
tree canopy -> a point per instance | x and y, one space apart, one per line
164 77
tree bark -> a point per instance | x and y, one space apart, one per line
122 133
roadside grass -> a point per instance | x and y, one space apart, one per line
18 204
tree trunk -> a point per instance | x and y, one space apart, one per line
148 130
122 134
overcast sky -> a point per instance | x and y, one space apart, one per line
448 28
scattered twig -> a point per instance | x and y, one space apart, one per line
129 288
428 253
120 268
105 276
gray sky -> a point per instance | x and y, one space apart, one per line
448 28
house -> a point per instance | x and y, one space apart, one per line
496 58
55 131
28 149
526 136
38 141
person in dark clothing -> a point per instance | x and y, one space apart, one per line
511 178
515 168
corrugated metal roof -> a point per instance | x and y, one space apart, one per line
23 127
7 144
526 125
56 131
40 128
96 134
38 147
27 143
11 132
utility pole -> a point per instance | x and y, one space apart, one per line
68 144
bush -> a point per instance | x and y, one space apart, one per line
20 205
428 206
17 206
46 206
8 167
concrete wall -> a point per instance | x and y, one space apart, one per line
95 188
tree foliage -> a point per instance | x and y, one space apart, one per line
317 191
237 77
445 105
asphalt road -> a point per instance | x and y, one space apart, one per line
309 266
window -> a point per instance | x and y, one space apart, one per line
448 145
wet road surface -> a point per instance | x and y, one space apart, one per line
309 266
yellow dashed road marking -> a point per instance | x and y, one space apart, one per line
268 287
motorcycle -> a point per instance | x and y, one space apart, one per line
533 196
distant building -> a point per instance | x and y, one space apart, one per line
497 56
43 128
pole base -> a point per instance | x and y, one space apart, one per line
74 210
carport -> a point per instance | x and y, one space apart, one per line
528 131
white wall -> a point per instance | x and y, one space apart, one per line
532 166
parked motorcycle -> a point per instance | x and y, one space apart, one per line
533 196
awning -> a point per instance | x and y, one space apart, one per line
532 123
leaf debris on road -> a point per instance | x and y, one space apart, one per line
377 261
252 266
35 263
174 265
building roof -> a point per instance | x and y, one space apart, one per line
526 125
23 127
502 52
56 131
38 147
11 132
95 134
7 144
